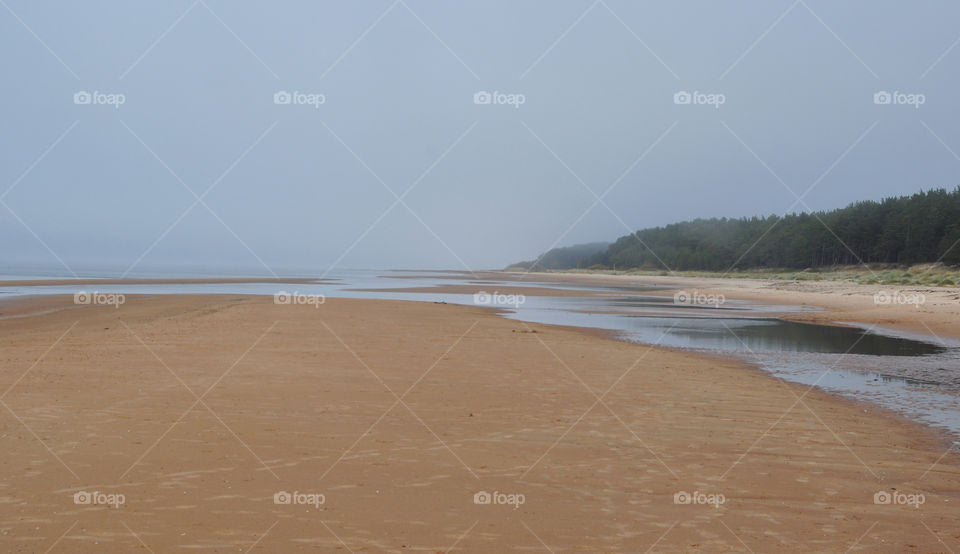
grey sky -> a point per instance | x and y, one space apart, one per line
491 184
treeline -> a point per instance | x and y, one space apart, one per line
922 228
565 257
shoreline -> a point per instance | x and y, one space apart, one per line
909 325
834 301
494 404
939 314
57 282
842 302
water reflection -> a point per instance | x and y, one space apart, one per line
736 334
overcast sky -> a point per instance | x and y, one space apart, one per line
311 185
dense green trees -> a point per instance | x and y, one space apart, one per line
921 228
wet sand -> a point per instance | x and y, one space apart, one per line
199 409
938 314
489 288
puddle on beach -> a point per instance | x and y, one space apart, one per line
916 375
754 334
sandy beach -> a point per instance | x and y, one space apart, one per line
937 312
230 424
479 277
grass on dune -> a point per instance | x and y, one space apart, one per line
927 275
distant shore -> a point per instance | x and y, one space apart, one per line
919 275
84 281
